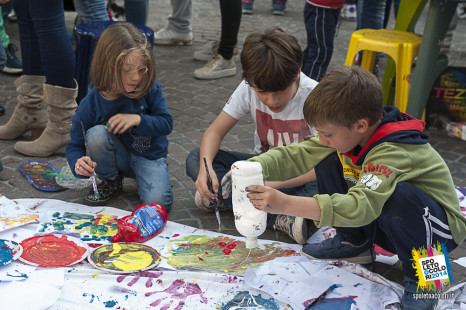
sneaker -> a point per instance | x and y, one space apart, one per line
12 16
294 226
167 36
408 302
13 65
107 189
337 248
205 204
247 6
208 53
278 8
2 110
348 12
461 10
217 67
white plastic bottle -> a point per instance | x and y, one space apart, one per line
249 221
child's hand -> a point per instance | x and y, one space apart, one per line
267 199
119 123
203 189
226 185
84 166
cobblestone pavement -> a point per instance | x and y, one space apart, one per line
195 104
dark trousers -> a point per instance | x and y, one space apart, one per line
230 11
410 218
321 25
45 45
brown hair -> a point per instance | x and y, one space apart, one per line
115 44
344 96
271 60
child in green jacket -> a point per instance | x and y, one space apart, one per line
379 179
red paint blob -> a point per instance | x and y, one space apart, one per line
51 251
222 244
227 251
199 258
231 246
175 235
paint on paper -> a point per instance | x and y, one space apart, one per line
13 214
53 251
87 227
220 254
124 257
247 300
41 175
9 251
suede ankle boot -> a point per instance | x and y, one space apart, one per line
29 113
61 107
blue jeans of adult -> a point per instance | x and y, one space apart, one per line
2 57
321 24
45 45
370 14
112 158
222 165
410 218
136 11
90 10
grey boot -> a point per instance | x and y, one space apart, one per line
61 107
29 113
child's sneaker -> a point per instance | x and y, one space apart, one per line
339 249
278 7
208 53
13 65
294 226
348 12
107 189
247 6
216 68
408 302
167 36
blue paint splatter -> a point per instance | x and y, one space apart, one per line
246 299
18 275
6 253
110 303
343 303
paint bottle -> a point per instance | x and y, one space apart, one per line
249 221
144 223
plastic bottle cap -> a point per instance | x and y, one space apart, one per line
251 243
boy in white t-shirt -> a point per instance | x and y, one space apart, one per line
273 92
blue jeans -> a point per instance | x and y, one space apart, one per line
113 158
222 164
370 14
2 57
136 11
90 10
45 45
321 24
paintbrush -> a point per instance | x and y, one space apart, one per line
94 183
209 185
322 296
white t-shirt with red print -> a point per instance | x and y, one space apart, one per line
272 129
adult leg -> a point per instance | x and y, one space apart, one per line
230 10
90 10
136 11
182 16
153 180
321 25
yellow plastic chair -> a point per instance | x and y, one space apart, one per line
401 46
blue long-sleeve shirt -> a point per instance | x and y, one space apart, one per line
150 136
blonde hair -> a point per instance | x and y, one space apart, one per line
115 44
344 96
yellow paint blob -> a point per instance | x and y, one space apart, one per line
133 261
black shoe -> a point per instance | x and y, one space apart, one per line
2 110
13 65
107 189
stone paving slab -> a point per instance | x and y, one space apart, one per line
194 104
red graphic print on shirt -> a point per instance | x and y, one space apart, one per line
277 132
